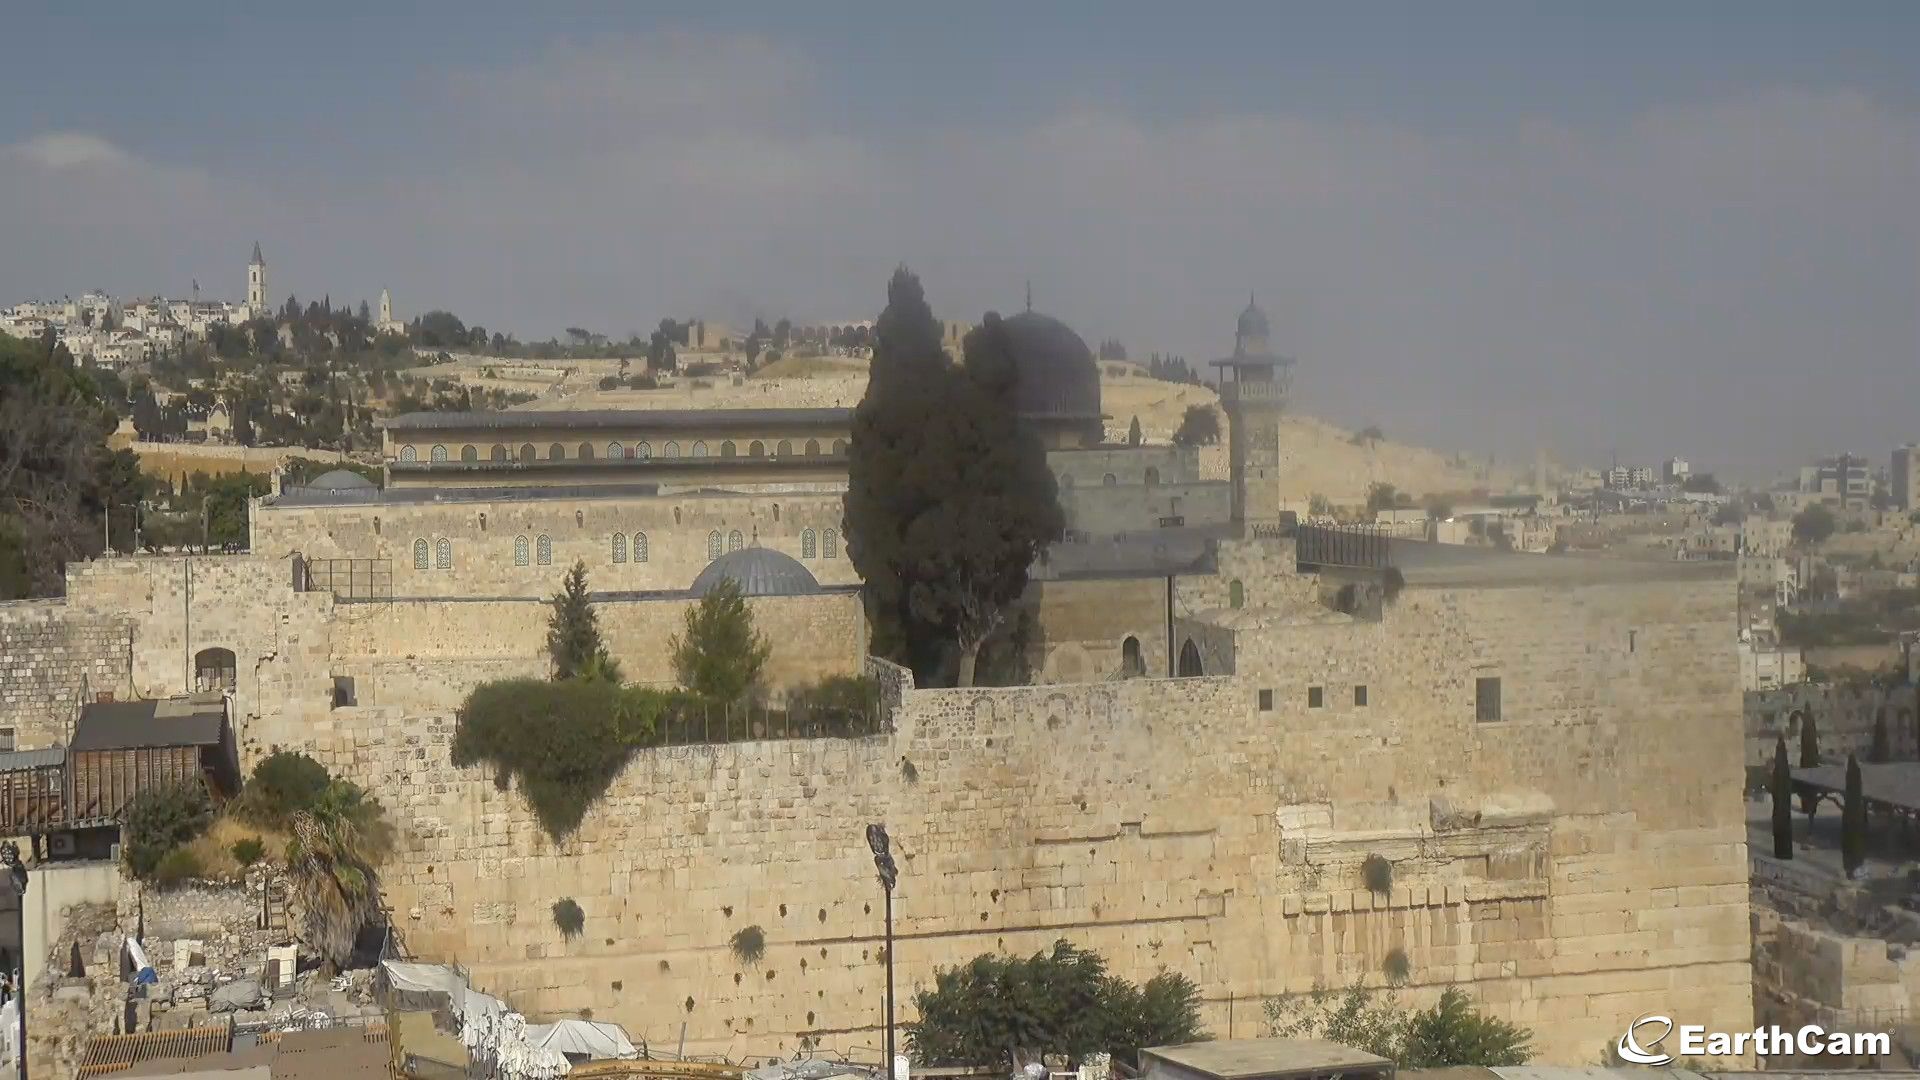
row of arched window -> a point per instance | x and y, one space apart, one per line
639 547
439 557
543 545
617 451
829 538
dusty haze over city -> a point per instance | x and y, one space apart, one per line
1486 228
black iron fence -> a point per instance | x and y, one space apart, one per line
348 579
1364 546
698 724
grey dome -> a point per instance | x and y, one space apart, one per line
339 480
759 572
1058 378
1253 321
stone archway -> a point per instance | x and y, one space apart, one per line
1190 660
215 669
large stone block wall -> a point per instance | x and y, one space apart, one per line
1575 865
678 529
1102 511
53 658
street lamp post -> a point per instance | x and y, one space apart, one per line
889 873
13 936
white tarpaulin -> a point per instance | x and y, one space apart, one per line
596 1041
423 978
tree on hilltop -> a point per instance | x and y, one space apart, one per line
573 633
1199 426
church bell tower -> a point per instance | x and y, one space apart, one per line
256 284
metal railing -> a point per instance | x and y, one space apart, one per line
1365 546
703 724
349 579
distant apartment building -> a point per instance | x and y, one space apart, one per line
1905 476
1845 481
1676 471
1767 666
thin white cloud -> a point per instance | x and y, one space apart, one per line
68 149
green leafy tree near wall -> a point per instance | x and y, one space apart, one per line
573 633
1061 1001
720 654
1451 1033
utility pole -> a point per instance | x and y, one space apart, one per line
889 873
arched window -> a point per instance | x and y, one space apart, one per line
829 544
809 544
1190 660
499 452
556 452
543 550
839 447
420 555
443 554
713 545
813 447
643 451
215 670
727 449
785 449
1236 594
699 448
615 451
756 449
639 547
735 541
469 453
1132 664
619 547
438 454
526 452
1153 476
586 451
1108 480
519 551
671 450
408 453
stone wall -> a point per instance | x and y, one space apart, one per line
1574 865
1103 511
482 535
1843 717
53 658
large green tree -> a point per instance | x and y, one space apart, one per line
1063 1001
57 477
720 655
1450 1033
573 633
949 499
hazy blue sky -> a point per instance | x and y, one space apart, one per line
1662 228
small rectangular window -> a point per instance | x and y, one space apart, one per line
1314 697
7 738
1266 701
1360 696
1486 700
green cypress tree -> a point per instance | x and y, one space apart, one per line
721 654
1782 801
1882 750
573 633
1809 743
1853 821
1134 435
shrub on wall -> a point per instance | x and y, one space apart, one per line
176 868
283 784
162 819
568 917
564 741
1377 872
749 944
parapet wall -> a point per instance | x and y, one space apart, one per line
1575 865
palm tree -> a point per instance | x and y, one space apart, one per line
335 847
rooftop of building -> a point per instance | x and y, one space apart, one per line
302 497
1426 563
576 419
1246 1059
194 720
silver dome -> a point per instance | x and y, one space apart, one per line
759 572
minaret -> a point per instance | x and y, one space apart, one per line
256 284
1253 391
386 309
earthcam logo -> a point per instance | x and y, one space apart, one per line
1641 1043
1631 1049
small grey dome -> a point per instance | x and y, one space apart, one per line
1058 378
759 572
339 480
1253 321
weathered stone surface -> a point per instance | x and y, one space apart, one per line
238 994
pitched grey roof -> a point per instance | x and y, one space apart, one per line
32 759
576 419
123 725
